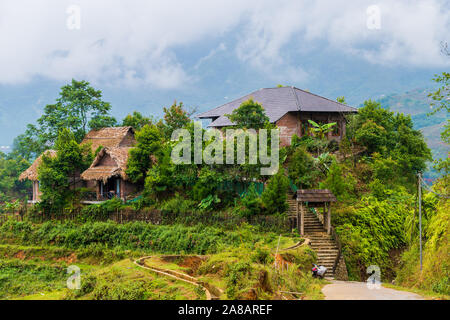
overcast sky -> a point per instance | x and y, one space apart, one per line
178 45
135 42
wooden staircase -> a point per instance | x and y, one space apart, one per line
323 244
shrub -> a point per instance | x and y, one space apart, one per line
198 239
261 255
274 195
342 186
369 231
178 205
251 202
301 168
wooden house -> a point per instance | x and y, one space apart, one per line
112 145
32 174
107 171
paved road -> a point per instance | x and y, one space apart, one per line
350 290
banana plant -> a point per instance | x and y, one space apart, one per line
321 130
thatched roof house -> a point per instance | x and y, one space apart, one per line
109 163
32 172
107 171
113 137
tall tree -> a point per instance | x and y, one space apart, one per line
391 135
175 117
441 96
79 108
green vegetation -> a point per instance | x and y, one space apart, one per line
57 174
21 278
213 210
79 108
148 145
435 275
198 239
10 169
274 195
239 265
250 114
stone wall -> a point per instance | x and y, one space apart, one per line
341 272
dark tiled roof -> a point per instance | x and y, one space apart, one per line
277 102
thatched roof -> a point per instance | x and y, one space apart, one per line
32 172
112 137
98 171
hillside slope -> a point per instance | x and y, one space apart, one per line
417 104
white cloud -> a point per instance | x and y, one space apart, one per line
410 31
136 42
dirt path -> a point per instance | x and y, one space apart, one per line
350 290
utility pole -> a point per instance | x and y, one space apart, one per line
419 175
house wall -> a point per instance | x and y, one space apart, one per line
289 125
91 184
292 123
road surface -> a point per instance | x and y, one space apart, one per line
351 290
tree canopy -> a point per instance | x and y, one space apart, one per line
148 147
137 120
391 135
249 115
58 175
78 108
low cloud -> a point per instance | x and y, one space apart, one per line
139 43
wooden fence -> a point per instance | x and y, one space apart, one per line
276 223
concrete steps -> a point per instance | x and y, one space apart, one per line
322 243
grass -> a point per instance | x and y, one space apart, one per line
241 273
239 266
21 278
122 280
427 294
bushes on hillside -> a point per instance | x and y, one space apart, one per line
275 194
199 239
342 185
436 249
251 202
369 231
301 169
